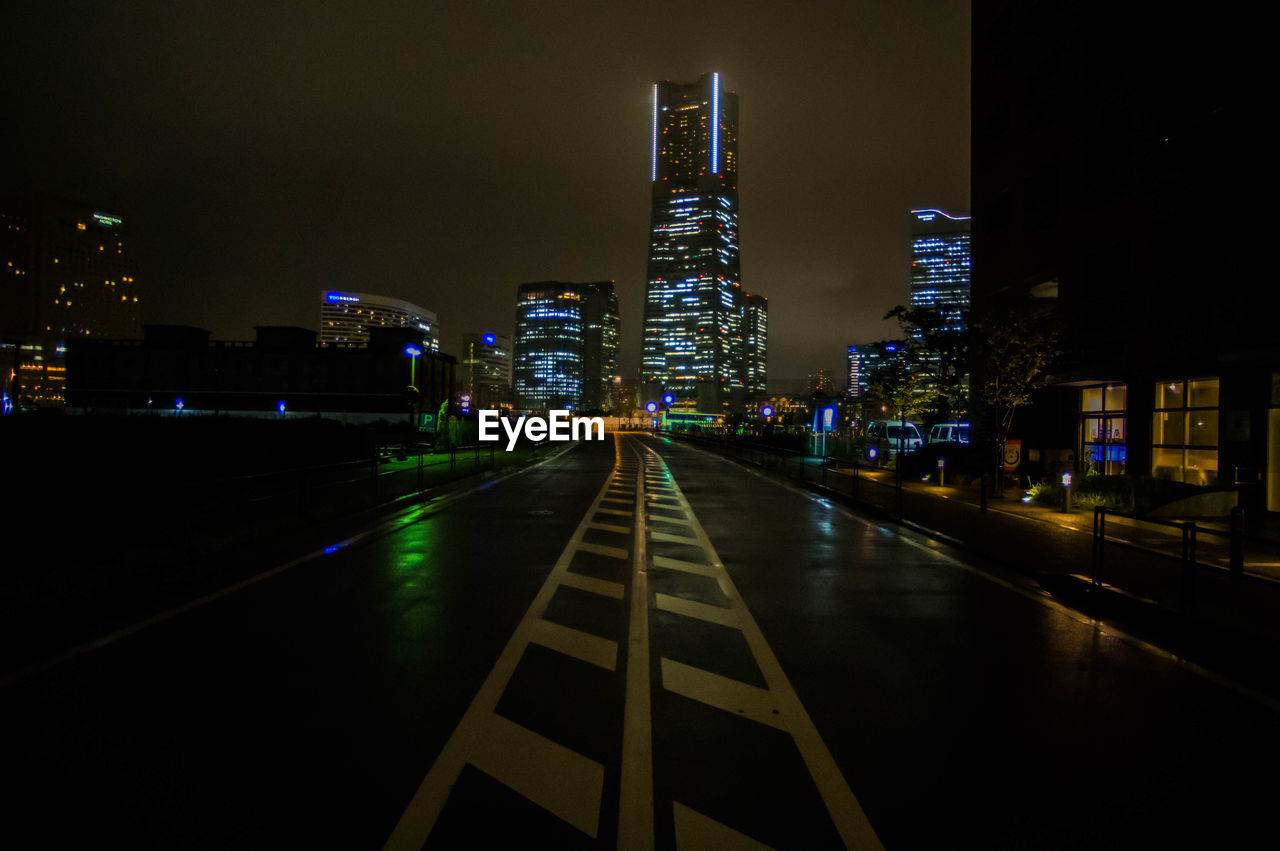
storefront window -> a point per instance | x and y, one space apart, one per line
1104 428
1184 436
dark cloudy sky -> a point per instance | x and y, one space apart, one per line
446 152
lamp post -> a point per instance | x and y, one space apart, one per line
413 352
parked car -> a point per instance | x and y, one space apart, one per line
950 433
886 437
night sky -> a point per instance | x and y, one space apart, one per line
446 152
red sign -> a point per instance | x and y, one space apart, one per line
1012 454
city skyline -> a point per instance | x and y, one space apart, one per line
295 173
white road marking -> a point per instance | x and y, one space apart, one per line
722 692
611 527
686 566
845 811
696 832
604 550
603 587
701 611
576 643
635 798
471 740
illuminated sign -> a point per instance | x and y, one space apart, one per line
930 215
337 298
489 339
106 221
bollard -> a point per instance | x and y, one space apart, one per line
1237 542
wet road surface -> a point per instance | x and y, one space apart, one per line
643 645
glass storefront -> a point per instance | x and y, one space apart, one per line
1104 428
1184 434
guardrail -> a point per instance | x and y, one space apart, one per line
849 478
1193 545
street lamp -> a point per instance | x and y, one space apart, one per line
280 407
414 352
766 411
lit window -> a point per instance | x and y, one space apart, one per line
1104 428
1184 434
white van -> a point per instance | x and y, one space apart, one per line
950 433
886 436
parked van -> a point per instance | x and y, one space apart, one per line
885 437
950 433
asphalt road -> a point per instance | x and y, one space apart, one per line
633 644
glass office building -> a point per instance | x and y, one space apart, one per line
695 315
940 264
566 345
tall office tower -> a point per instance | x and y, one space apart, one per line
692 317
601 327
857 380
346 317
68 273
484 371
755 340
940 264
566 345
863 361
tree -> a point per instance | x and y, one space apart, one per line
896 383
1011 356
939 354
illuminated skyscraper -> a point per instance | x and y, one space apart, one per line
940 264
347 317
566 345
694 312
755 339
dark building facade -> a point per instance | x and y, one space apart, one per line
1115 159
484 371
176 369
566 345
695 311
69 273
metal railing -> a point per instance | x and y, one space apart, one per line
1192 545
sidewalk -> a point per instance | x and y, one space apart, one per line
1261 557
